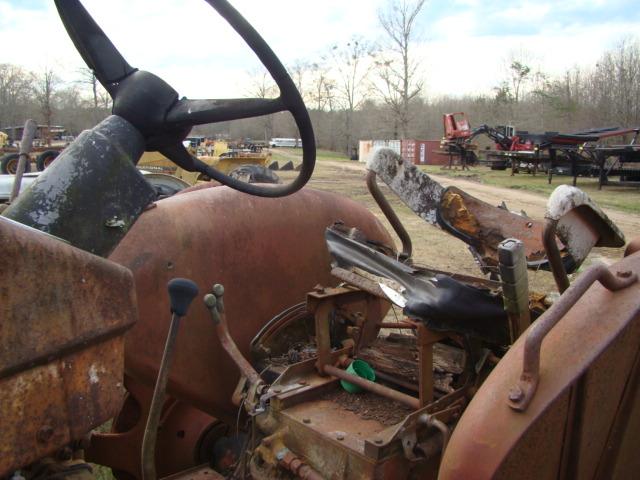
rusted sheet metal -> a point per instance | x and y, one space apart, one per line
272 252
183 433
484 226
64 313
580 224
477 223
565 199
593 347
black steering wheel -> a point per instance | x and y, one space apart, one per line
164 119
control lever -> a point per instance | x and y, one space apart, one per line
182 291
215 304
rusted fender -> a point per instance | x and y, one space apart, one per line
584 420
268 253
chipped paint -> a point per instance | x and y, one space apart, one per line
415 188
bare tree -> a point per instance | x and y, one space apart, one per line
44 89
397 69
15 92
263 86
352 64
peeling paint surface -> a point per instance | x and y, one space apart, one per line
415 188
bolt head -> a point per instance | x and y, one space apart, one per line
516 394
306 420
378 441
340 436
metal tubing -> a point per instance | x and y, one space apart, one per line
215 304
522 393
553 255
388 211
298 467
431 421
157 401
381 390
25 147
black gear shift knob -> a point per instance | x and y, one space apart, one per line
182 291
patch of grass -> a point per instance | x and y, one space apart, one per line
626 199
331 155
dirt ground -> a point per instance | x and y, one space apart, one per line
433 246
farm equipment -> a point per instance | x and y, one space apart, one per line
48 144
254 363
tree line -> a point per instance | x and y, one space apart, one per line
366 89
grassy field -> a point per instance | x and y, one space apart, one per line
626 199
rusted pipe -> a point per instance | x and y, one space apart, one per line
522 393
25 147
287 459
401 383
388 211
553 255
376 388
431 421
215 305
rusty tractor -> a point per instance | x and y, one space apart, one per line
156 338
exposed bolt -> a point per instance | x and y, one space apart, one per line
277 390
44 434
340 436
306 420
624 274
529 224
377 441
302 382
516 394
318 288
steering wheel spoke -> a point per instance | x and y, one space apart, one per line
152 106
95 48
198 112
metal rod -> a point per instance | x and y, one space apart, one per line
553 255
25 147
521 394
297 466
381 390
216 307
388 211
157 401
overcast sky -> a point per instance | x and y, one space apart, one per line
463 46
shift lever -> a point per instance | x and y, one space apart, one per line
181 293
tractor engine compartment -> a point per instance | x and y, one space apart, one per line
304 422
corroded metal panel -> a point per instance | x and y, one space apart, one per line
64 313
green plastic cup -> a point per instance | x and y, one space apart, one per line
361 369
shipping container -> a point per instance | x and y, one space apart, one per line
367 147
423 152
